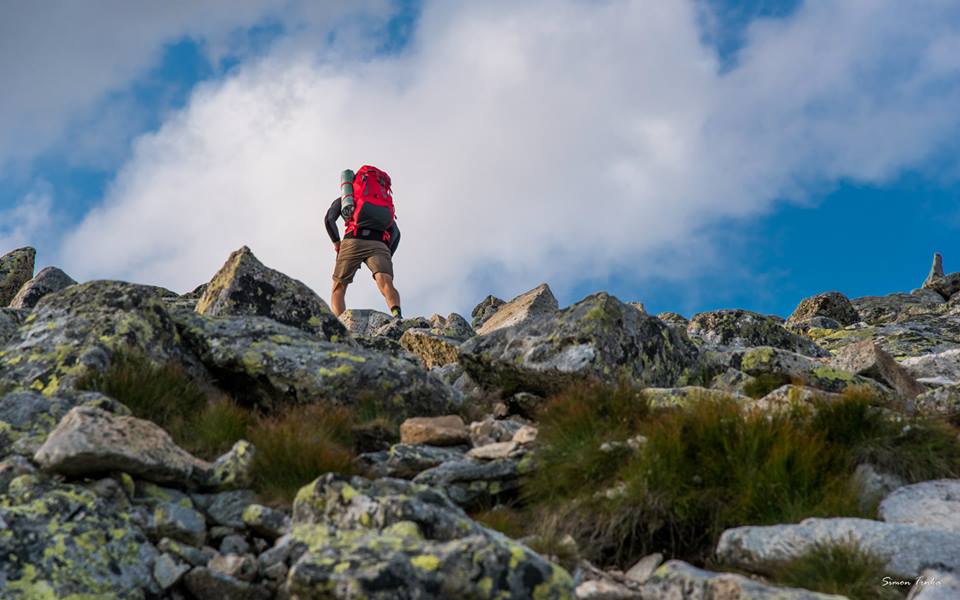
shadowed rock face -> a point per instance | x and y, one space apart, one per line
47 281
245 287
267 364
745 329
16 268
412 542
77 330
599 337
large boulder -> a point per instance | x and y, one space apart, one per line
736 329
794 367
522 309
389 539
598 337
77 330
49 280
907 549
928 504
914 335
65 541
942 368
244 286
16 268
89 441
869 360
267 364
678 580
28 417
881 310
832 305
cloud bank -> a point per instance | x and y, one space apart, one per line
565 141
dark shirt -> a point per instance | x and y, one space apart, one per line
330 221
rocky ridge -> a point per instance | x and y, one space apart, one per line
95 502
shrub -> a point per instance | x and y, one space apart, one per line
843 569
299 446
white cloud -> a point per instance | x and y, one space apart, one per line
543 140
59 59
29 220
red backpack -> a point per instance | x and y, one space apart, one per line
373 212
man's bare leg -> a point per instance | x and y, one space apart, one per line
390 293
338 297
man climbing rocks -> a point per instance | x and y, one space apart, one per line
370 235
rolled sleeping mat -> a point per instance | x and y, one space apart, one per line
346 193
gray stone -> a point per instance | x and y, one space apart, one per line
873 485
47 281
245 287
929 504
363 322
207 583
234 544
740 329
242 567
395 329
471 483
13 467
907 549
832 305
677 580
453 327
405 461
600 589
267 364
168 571
491 431
16 268
596 338
235 468
447 430
396 535
225 508
265 521
196 557
27 418
644 568
89 441
936 585
179 523
486 309
869 360
278 554
522 309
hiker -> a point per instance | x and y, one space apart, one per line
370 235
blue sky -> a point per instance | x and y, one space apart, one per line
870 233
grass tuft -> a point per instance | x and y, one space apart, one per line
710 466
299 446
293 447
843 569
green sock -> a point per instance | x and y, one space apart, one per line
395 311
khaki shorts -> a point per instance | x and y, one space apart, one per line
354 252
